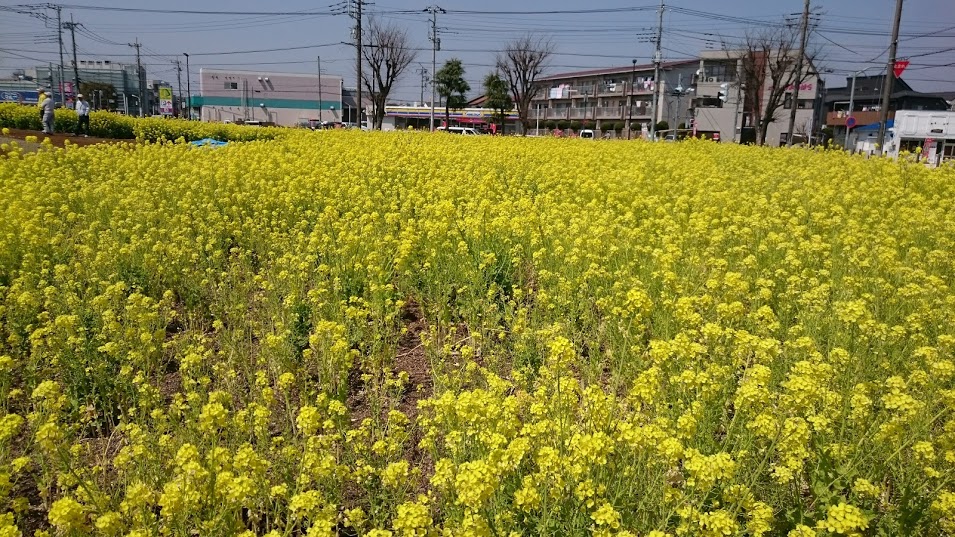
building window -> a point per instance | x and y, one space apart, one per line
708 102
232 85
719 72
804 104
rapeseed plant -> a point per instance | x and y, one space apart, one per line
398 334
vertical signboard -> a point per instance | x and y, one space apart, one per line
165 100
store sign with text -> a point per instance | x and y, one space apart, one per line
805 86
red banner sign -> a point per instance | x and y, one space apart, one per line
900 66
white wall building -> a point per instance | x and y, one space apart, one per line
282 98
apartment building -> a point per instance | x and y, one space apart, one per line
721 106
613 100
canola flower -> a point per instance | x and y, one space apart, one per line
112 125
346 333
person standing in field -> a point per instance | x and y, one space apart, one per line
39 102
46 114
82 116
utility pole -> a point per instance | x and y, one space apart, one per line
424 80
179 83
657 58
435 47
139 76
76 69
797 81
737 138
889 74
319 89
188 87
59 33
358 49
633 83
53 96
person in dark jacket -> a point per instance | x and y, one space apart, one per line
82 116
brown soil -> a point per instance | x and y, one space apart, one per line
412 360
409 358
58 139
35 517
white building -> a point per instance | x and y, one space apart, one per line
732 118
282 98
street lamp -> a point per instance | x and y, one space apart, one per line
679 91
852 96
126 102
633 79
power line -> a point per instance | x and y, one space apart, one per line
198 12
552 12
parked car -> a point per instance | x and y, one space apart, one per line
467 131
587 134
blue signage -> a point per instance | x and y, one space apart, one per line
22 97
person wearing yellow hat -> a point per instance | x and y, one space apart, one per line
82 116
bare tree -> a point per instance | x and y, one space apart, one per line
769 72
521 62
387 53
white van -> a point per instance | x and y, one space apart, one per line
587 134
467 131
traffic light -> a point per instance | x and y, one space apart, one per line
722 93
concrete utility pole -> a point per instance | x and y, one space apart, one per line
633 82
657 58
76 66
59 33
852 104
188 88
738 134
139 76
424 80
889 74
319 89
798 80
361 107
53 96
435 47
179 83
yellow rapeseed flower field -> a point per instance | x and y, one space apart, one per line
404 334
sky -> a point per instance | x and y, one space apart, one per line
290 35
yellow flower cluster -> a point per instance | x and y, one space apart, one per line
398 334
112 125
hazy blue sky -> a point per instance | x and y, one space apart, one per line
853 34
